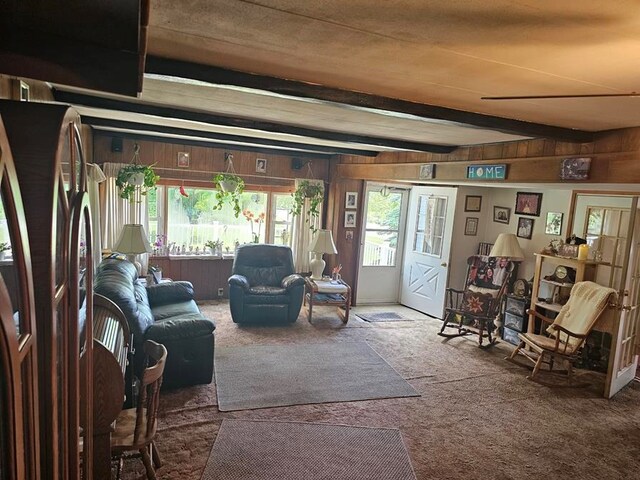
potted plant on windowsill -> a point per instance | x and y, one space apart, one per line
135 177
314 191
229 189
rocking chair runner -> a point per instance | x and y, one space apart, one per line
473 310
567 332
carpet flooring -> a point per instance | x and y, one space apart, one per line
258 450
477 416
383 317
260 376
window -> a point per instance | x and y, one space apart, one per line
430 225
381 229
191 221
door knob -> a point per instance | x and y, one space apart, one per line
443 264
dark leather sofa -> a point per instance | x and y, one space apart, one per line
165 313
263 287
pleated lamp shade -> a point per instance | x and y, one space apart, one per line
507 246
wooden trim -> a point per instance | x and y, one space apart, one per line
218 75
170 112
574 200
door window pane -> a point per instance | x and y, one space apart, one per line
430 225
380 249
381 229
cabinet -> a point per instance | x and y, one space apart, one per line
515 319
547 293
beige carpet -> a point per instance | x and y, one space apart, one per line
477 416
262 450
260 376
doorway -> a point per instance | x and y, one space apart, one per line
381 244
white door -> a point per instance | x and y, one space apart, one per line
381 244
428 246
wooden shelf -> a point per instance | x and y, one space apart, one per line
558 284
554 307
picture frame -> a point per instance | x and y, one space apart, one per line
261 165
471 226
575 168
351 200
472 203
349 219
501 214
21 90
528 203
553 225
183 159
427 171
525 228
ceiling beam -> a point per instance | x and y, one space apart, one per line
221 120
206 144
222 76
225 137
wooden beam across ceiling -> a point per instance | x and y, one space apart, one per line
97 45
187 132
222 76
222 120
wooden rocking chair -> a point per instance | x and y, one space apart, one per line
567 333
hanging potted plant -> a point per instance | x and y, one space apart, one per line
229 187
314 192
135 177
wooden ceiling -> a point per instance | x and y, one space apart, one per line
380 76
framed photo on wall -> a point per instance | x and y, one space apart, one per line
351 200
501 214
261 165
471 226
472 203
525 227
183 159
553 225
528 203
349 219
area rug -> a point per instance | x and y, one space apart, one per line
252 450
261 376
383 317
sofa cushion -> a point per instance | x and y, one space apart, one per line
186 326
168 310
170 292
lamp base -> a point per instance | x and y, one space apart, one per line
317 266
132 259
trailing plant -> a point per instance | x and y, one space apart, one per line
227 192
127 185
313 191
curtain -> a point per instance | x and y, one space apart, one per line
118 211
303 234
94 178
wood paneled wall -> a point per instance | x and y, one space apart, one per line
38 91
204 161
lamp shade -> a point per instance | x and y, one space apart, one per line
323 242
507 246
133 240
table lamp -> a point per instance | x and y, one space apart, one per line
322 243
133 240
507 246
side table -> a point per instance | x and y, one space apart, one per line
327 292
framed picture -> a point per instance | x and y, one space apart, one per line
183 159
261 165
472 203
528 203
501 214
575 168
349 219
553 225
351 200
525 227
471 226
427 171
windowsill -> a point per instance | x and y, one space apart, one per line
225 256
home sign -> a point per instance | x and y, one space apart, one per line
487 172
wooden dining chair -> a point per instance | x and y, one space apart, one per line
135 429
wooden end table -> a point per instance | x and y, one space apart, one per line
328 292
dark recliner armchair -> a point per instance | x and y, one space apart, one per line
263 287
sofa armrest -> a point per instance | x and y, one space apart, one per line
292 280
179 328
170 292
239 281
